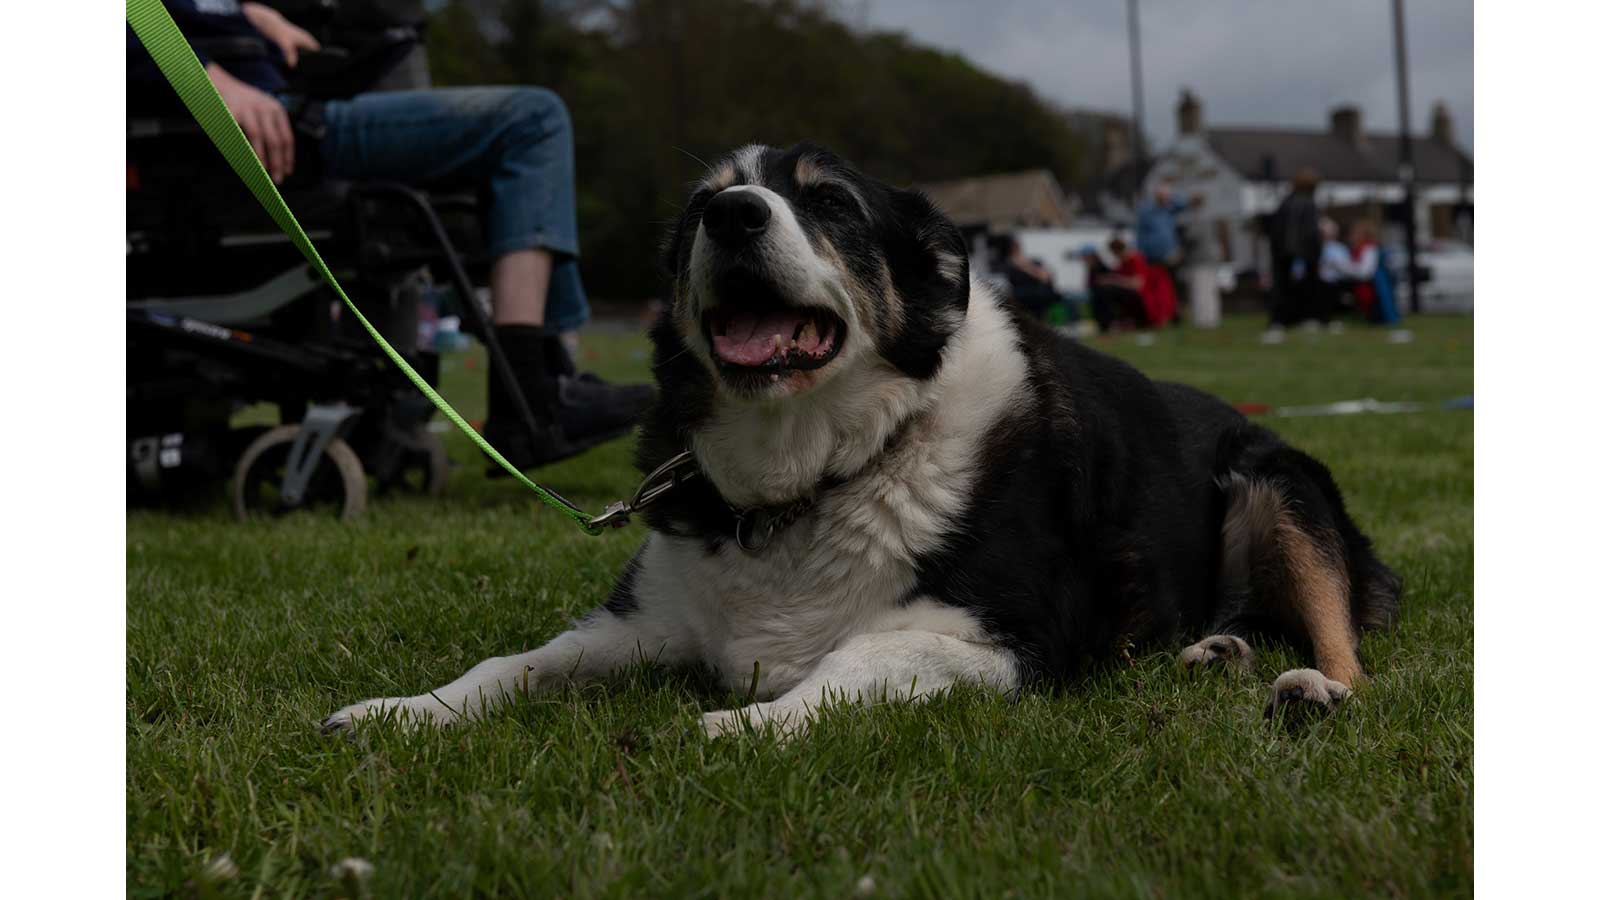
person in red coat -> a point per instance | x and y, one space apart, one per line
1135 291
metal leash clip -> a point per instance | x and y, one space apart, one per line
666 476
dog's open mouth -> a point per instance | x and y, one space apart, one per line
774 339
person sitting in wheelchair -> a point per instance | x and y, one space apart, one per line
516 142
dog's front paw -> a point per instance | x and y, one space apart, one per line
1305 688
786 724
408 712
1217 650
723 722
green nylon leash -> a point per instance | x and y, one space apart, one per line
172 53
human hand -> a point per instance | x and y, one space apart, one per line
262 119
289 37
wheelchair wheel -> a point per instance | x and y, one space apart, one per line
339 483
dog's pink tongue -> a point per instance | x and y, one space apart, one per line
753 338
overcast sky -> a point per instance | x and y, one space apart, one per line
1251 62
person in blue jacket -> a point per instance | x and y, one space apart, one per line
1156 231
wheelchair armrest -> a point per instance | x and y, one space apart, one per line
326 63
234 48
143 127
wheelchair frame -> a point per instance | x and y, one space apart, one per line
195 360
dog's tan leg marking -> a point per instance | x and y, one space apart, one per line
1321 599
1319 596
1218 649
1308 590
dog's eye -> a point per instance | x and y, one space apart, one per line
832 200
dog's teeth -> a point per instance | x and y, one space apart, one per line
774 376
808 332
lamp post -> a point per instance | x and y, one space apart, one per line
1408 172
1138 95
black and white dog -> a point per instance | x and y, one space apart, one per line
904 483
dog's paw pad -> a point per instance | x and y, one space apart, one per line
1305 689
1216 650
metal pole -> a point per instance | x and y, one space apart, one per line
1138 95
1408 174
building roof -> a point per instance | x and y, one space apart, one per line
1031 199
1376 157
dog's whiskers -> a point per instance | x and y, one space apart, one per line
674 356
693 157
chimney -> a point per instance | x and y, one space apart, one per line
1189 121
1444 127
1345 123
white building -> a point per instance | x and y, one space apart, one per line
1243 173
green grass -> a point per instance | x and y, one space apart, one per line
1140 782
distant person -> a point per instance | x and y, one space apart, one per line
1374 291
1032 285
1337 274
1295 237
1156 230
1115 299
1133 294
1354 269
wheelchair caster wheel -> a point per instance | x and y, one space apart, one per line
338 483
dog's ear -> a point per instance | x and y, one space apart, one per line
927 260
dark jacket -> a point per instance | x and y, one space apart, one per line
202 20
1295 232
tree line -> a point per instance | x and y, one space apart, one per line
657 88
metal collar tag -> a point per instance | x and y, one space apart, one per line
754 528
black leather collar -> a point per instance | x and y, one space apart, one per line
753 527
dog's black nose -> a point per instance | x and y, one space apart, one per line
734 218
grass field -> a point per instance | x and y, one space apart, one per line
1139 782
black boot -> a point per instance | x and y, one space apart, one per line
591 393
557 361
569 416
506 429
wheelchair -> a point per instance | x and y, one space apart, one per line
224 313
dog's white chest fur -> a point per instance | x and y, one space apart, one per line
847 568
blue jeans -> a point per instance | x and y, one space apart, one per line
515 141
